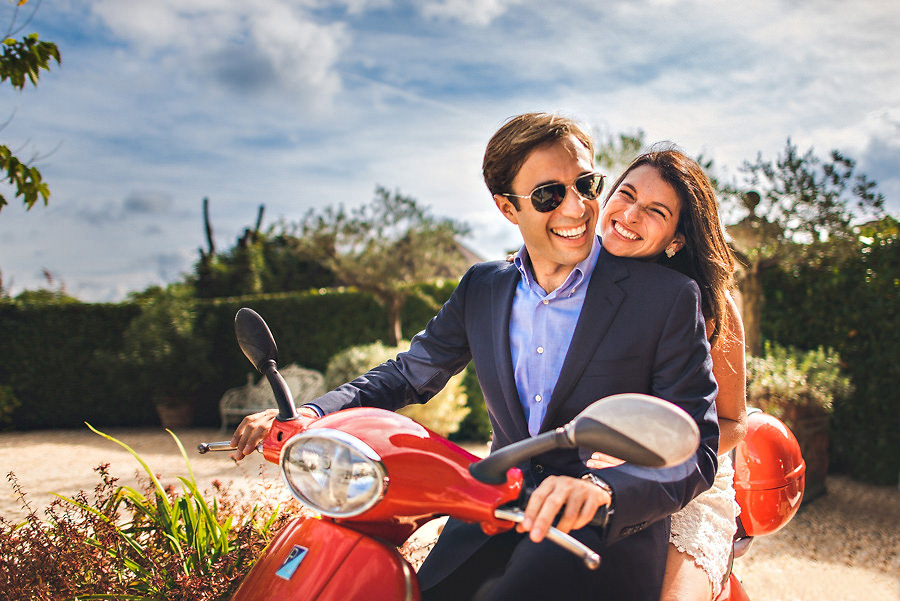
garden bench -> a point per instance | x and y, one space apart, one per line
305 384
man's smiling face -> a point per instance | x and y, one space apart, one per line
559 239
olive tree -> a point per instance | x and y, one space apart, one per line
384 248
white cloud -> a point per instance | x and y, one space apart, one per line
471 12
302 54
269 46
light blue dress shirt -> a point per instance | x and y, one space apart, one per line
540 330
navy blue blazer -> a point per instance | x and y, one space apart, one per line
640 330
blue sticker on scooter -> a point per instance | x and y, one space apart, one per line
292 562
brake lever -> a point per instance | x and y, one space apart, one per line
590 558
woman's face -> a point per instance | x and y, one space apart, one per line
640 217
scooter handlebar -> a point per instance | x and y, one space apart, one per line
223 445
569 543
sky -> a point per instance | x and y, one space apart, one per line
302 104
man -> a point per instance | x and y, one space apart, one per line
561 326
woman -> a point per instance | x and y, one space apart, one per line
663 208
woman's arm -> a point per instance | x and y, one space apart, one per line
729 369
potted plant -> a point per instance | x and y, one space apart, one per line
163 353
799 387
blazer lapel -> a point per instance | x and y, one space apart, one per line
501 306
601 304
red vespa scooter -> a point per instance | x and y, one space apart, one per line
376 476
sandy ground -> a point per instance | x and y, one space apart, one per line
844 546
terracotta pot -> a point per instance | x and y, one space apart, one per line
175 415
810 427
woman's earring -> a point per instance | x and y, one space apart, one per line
670 252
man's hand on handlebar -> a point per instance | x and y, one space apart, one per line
580 498
254 428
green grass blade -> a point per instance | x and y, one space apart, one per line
159 489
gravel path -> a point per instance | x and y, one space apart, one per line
844 546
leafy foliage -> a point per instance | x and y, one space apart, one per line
442 413
850 303
161 350
477 424
785 377
125 543
50 363
799 209
614 153
21 62
804 205
384 248
259 263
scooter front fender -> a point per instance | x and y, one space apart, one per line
313 559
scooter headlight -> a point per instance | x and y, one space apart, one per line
332 472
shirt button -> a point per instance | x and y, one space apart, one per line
540 350
538 398
545 301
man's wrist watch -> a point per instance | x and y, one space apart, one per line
602 484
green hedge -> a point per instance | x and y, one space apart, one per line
48 358
52 355
853 306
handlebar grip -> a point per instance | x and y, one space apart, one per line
225 445
206 447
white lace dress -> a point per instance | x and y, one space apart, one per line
705 528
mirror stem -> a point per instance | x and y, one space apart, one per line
283 398
492 469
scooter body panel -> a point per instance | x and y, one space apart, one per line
733 591
428 476
318 560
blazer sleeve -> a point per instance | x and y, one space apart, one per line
435 355
682 374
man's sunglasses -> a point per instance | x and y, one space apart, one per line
549 196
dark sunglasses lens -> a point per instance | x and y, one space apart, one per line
546 198
589 186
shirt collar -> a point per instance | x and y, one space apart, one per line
580 273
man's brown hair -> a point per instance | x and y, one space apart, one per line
517 138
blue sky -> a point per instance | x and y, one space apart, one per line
299 104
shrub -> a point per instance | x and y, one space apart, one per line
161 348
476 426
850 304
787 378
153 543
442 414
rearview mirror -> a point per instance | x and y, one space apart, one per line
255 339
637 428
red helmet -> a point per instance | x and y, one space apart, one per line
768 475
